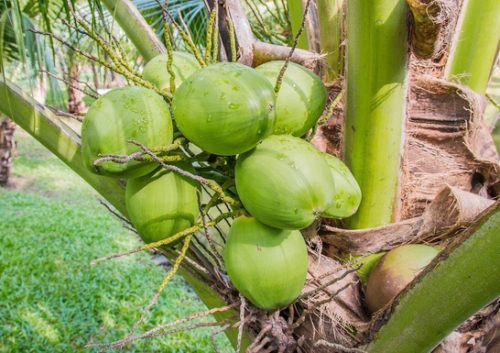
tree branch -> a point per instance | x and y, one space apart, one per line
251 51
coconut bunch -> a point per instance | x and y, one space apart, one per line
235 113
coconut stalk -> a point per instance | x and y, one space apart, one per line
475 44
454 286
375 113
331 32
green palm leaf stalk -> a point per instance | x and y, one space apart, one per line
331 32
376 74
136 28
295 14
59 138
475 45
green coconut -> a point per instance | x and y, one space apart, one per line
183 65
366 264
267 265
284 182
225 108
301 99
130 113
394 271
161 204
347 195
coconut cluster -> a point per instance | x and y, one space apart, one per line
228 109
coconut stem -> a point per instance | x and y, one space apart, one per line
210 30
56 136
169 240
215 36
168 42
164 283
116 65
118 60
143 156
232 39
186 38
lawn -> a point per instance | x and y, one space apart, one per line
51 298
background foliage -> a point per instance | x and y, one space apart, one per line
51 298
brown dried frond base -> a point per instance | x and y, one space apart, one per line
447 143
432 26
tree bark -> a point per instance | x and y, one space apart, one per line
7 148
75 96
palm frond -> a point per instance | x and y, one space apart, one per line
192 12
18 44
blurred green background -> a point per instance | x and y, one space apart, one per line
51 298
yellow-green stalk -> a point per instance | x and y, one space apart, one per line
331 32
296 13
56 136
376 75
135 27
475 45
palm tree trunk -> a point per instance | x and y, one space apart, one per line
7 147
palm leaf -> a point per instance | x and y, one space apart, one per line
192 12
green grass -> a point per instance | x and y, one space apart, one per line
51 298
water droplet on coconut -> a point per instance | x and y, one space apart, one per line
233 106
209 118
